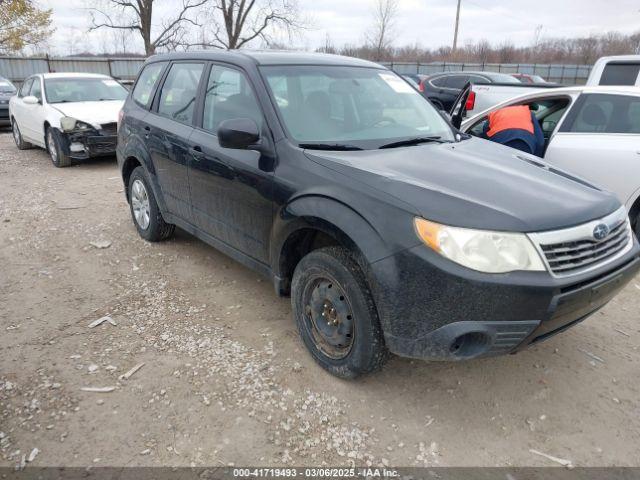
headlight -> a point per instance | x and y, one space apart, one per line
482 250
69 123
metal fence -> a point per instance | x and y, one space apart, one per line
125 69
17 69
564 74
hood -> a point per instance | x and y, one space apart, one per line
94 113
475 184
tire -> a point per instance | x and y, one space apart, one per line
329 285
144 209
58 157
17 137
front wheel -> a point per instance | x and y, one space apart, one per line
58 157
335 313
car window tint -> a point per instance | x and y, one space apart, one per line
36 89
26 86
620 74
477 79
228 96
147 82
601 113
457 81
440 81
478 129
178 94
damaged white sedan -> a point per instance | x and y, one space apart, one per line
71 115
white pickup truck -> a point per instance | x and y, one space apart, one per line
621 70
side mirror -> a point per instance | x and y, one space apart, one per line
31 100
239 133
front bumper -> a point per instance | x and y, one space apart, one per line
431 308
83 145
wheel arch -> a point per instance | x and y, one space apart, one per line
135 154
129 164
313 222
634 210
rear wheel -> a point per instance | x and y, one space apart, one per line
17 137
58 157
144 209
335 313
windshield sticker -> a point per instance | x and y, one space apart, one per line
398 85
110 83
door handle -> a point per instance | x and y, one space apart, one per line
197 153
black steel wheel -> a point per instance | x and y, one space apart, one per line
335 313
328 317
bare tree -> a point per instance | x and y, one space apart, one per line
380 36
239 22
137 16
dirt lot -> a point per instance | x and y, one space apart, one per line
225 378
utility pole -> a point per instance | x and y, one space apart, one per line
455 35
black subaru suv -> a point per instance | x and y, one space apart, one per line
391 231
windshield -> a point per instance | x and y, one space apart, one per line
6 86
60 90
362 107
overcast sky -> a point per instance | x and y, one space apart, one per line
426 22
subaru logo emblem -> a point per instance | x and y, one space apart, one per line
600 232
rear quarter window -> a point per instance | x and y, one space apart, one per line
600 113
147 81
620 74
457 81
440 81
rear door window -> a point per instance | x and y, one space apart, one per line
457 81
179 91
600 113
146 83
620 74
440 81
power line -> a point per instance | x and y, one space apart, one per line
502 14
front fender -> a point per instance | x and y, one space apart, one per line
632 200
331 216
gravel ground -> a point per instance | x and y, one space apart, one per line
225 378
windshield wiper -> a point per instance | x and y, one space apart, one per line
344 147
414 141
